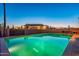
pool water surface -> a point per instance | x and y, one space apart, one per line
37 45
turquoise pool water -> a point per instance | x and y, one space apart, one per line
37 45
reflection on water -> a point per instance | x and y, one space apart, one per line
37 46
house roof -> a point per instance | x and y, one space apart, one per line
33 25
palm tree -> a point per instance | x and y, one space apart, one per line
4 19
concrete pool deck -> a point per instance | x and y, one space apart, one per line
3 48
73 47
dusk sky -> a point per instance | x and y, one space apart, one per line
58 15
1 13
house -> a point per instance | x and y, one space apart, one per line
36 26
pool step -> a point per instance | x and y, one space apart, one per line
74 37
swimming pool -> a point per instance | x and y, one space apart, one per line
38 45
